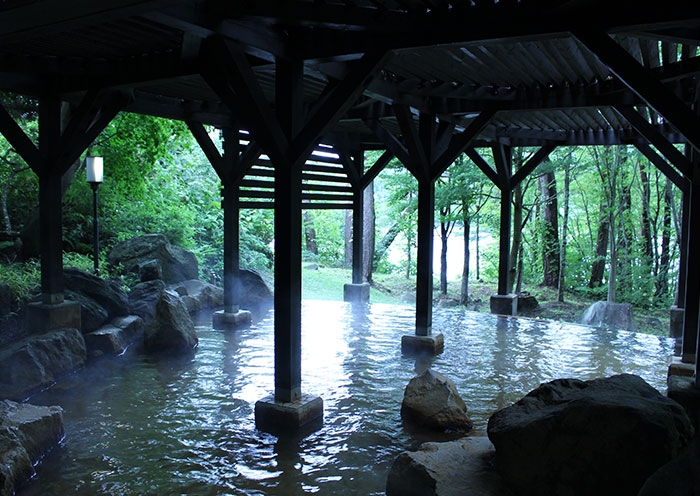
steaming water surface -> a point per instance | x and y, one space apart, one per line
136 425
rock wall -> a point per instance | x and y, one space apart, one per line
27 433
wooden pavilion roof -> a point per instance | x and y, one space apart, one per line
528 60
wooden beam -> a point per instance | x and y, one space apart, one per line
642 82
19 140
208 147
459 143
531 164
681 182
336 102
483 165
660 142
374 171
501 156
393 144
411 139
227 68
73 146
350 168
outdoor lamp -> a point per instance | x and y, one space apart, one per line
94 170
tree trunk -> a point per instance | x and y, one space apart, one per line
517 234
478 275
368 233
444 233
646 216
384 244
601 249
562 255
310 233
665 258
464 293
612 273
347 234
550 230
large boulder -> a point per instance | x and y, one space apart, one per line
35 362
602 437
115 337
27 433
611 315
92 315
136 254
97 297
463 467
143 298
197 295
431 401
254 291
171 329
679 477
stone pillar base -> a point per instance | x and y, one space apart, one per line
684 391
279 417
44 317
504 304
680 368
417 345
356 292
223 320
676 329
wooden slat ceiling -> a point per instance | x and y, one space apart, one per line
544 78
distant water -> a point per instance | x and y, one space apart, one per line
136 425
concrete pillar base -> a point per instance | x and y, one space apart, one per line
679 368
223 320
684 391
279 417
418 345
44 317
676 329
504 304
356 292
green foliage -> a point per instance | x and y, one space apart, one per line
24 279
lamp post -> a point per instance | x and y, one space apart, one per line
94 169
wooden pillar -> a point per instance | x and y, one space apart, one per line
230 206
692 285
683 258
287 284
424 260
50 201
288 232
504 242
357 234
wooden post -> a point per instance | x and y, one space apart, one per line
50 201
288 232
424 259
504 242
287 284
692 285
683 258
357 231
230 206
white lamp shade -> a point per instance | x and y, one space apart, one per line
94 169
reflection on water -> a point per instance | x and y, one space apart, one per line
143 426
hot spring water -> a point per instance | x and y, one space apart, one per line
139 425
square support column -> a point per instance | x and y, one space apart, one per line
692 284
231 317
51 225
424 258
287 284
503 303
